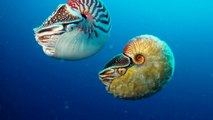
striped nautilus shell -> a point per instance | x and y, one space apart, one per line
76 30
144 67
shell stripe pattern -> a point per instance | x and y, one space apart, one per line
96 11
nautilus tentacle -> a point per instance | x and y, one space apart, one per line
115 68
76 30
150 67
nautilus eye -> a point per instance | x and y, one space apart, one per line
150 67
121 71
76 30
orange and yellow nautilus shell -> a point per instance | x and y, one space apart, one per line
144 67
76 30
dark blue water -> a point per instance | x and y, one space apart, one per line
36 87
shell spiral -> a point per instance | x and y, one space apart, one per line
96 14
150 67
76 30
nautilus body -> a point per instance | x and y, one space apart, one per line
144 67
76 30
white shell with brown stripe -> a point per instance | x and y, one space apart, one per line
76 30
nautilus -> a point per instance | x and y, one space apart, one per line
145 66
76 30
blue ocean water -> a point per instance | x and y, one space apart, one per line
36 87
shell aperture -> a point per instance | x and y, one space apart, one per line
114 68
76 30
151 67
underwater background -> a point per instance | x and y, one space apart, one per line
34 86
